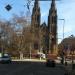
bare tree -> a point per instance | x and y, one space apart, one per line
5 35
22 36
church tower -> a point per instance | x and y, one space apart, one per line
35 26
52 27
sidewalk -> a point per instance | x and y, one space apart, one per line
32 60
40 60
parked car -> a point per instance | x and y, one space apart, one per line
5 59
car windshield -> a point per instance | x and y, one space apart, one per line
5 57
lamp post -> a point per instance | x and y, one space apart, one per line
62 55
63 26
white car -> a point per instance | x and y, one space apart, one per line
5 59
59 58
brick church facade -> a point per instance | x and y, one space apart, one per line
44 36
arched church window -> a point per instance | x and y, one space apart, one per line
52 19
55 19
35 45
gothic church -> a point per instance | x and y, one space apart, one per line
44 36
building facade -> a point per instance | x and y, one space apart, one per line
44 36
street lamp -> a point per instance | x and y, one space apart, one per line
62 61
63 25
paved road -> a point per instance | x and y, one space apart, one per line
29 68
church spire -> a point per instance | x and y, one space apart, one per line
35 21
35 25
52 27
53 1
53 5
36 12
36 4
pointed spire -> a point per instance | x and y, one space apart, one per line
36 4
53 4
53 0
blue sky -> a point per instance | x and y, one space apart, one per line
65 10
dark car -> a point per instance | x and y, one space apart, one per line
50 63
5 59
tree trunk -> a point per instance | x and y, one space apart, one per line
21 55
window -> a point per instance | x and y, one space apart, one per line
36 46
